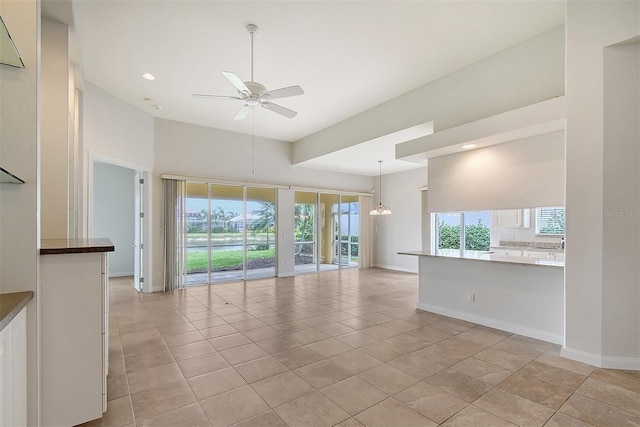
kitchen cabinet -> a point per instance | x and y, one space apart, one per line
507 252
512 218
13 371
544 254
73 330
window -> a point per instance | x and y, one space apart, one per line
448 235
550 221
477 231
476 236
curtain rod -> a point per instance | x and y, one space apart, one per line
261 185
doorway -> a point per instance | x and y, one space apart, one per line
117 204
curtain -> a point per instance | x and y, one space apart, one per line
365 232
175 234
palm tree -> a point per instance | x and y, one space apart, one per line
267 218
304 221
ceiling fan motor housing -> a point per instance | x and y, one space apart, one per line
255 88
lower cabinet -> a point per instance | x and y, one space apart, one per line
13 372
507 252
544 255
73 338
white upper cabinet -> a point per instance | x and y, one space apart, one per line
512 218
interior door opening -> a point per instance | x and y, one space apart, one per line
117 212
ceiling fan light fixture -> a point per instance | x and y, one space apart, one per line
380 209
253 93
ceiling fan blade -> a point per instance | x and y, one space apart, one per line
279 109
283 92
243 112
237 82
202 95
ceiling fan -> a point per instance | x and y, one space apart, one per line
253 93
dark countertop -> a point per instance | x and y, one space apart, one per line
75 246
11 304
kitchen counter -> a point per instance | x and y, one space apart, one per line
11 304
74 330
486 256
75 246
531 248
522 295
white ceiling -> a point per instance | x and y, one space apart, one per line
347 55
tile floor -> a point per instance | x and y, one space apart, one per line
338 348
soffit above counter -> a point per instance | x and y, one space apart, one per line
536 119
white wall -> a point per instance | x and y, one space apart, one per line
524 74
594 333
197 151
116 129
19 153
621 185
114 214
517 174
54 123
120 134
400 231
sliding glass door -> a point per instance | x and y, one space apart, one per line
197 228
260 236
348 236
227 233
329 226
305 249
230 233
326 231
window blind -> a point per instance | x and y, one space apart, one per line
550 220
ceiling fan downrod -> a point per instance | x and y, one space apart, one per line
252 29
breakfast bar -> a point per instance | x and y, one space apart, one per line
74 334
523 295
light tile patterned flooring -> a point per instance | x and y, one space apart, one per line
338 348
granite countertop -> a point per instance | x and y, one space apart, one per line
75 246
483 256
11 304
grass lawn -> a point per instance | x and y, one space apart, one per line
197 260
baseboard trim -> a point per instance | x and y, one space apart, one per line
288 274
493 323
395 268
609 362
121 274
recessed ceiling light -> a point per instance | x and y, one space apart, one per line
148 76
468 146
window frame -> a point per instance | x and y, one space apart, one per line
463 235
538 221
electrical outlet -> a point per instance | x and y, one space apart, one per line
471 297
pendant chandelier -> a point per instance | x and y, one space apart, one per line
380 209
